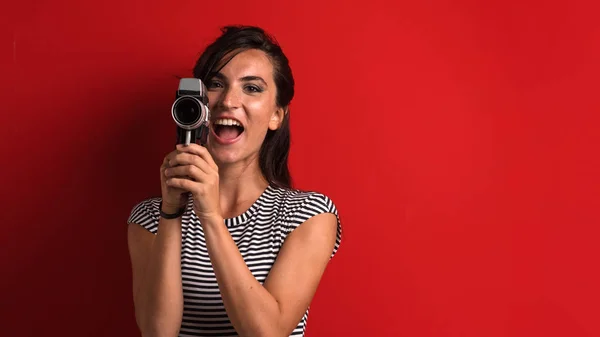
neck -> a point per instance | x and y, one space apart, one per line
240 185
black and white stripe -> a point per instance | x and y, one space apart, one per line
259 233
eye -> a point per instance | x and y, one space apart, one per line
214 84
253 88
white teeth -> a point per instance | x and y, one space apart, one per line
227 121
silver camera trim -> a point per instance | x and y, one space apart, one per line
203 112
192 88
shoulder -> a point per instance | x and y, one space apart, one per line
146 214
300 206
306 204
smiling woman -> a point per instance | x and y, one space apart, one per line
231 248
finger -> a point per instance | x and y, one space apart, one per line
165 164
191 159
186 171
199 150
167 159
182 183
196 149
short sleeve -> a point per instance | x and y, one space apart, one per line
146 214
314 204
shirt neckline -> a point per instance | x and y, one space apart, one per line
247 214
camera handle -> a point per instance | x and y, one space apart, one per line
187 137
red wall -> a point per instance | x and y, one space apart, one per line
458 139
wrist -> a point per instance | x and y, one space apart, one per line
170 208
171 211
212 220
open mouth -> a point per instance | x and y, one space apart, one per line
227 129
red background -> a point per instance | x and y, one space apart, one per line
457 138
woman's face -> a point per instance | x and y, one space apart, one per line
242 101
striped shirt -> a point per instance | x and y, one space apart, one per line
259 233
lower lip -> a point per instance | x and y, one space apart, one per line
225 141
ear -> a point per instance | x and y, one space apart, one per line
277 118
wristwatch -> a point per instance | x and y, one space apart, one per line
170 216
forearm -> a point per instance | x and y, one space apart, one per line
159 305
253 311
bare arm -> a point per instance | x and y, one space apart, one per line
275 308
255 310
156 268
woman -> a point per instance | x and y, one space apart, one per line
230 248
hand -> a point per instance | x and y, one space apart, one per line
193 169
172 198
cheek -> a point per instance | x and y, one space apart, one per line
259 113
259 128
213 98
256 107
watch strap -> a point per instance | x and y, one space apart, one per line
173 215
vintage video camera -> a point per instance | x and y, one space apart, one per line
190 112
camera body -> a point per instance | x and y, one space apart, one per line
190 111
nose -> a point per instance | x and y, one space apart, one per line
229 98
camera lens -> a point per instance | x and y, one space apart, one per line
187 111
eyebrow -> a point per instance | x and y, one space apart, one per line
243 79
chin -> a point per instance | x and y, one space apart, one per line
229 153
226 159
229 156
225 155
221 155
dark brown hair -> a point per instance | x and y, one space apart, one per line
273 157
